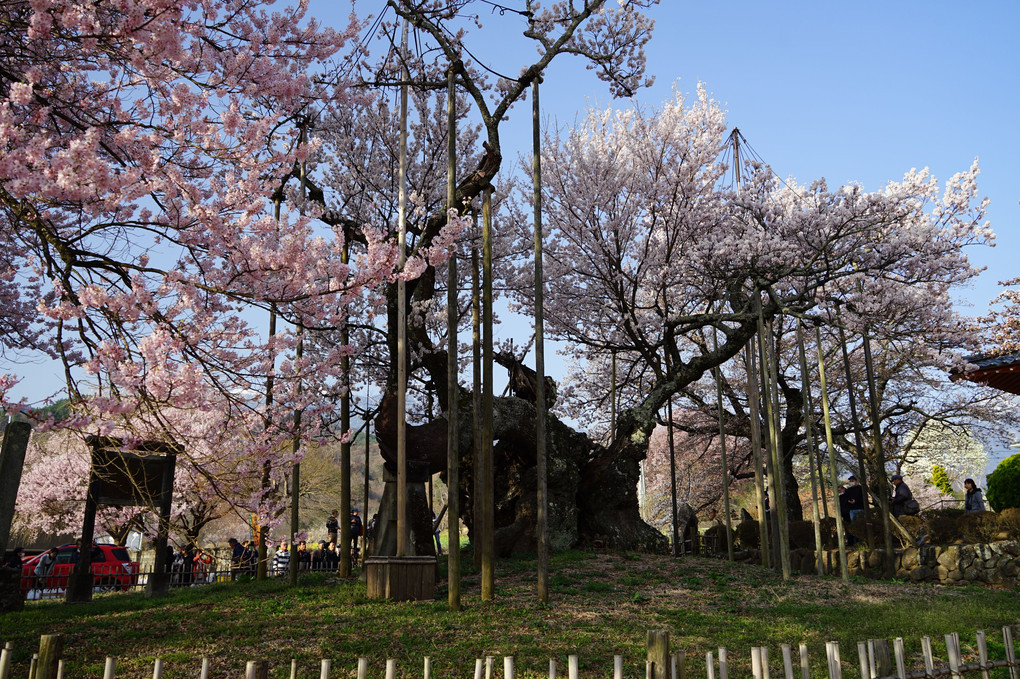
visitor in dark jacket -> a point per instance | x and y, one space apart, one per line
901 495
973 501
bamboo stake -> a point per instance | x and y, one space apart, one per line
756 662
362 668
765 662
478 668
427 670
391 668
453 390
572 667
60 669
5 660
51 647
840 539
293 668
672 476
953 653
880 476
776 474
109 670
724 664
852 402
709 665
982 653
805 667
809 436
204 674
508 667
324 668
1007 640
752 405
488 666
617 667
722 447
157 669
346 555
33 666
552 668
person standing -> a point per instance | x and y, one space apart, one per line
333 526
973 501
901 495
854 498
236 557
43 568
281 560
356 530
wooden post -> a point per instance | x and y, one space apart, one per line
572 667
867 672
158 583
508 667
672 476
453 389
617 667
862 471
765 662
880 476
33 665
391 668
157 669
51 647
5 660
722 448
901 666
427 669
658 653
362 668
552 668
325 666
832 656
756 662
709 665
805 668
205 669
881 659
724 664
929 660
257 669
488 666
679 664
12 463
110 669
478 668
770 383
787 661
293 668
295 479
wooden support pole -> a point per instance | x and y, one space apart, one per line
33 665
486 506
724 461
724 664
805 667
427 669
12 463
756 671
293 668
573 667
452 363
508 667
157 669
862 657
205 669
488 666
953 653
402 310
51 648
346 553
110 668
552 668
542 508
813 473
478 668
751 371
765 662
362 668
324 667
709 665
391 668
840 538
658 653
617 667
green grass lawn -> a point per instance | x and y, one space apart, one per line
602 604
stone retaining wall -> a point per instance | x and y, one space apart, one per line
997 563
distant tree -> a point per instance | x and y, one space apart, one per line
1003 486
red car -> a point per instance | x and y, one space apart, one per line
112 568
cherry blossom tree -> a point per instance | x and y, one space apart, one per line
646 255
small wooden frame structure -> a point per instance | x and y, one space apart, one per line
124 479
401 578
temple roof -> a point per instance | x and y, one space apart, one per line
1001 371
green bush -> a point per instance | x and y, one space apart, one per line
1003 489
979 527
940 479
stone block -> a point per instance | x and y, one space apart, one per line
949 556
920 574
983 552
910 558
971 574
943 573
875 559
955 576
1011 547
